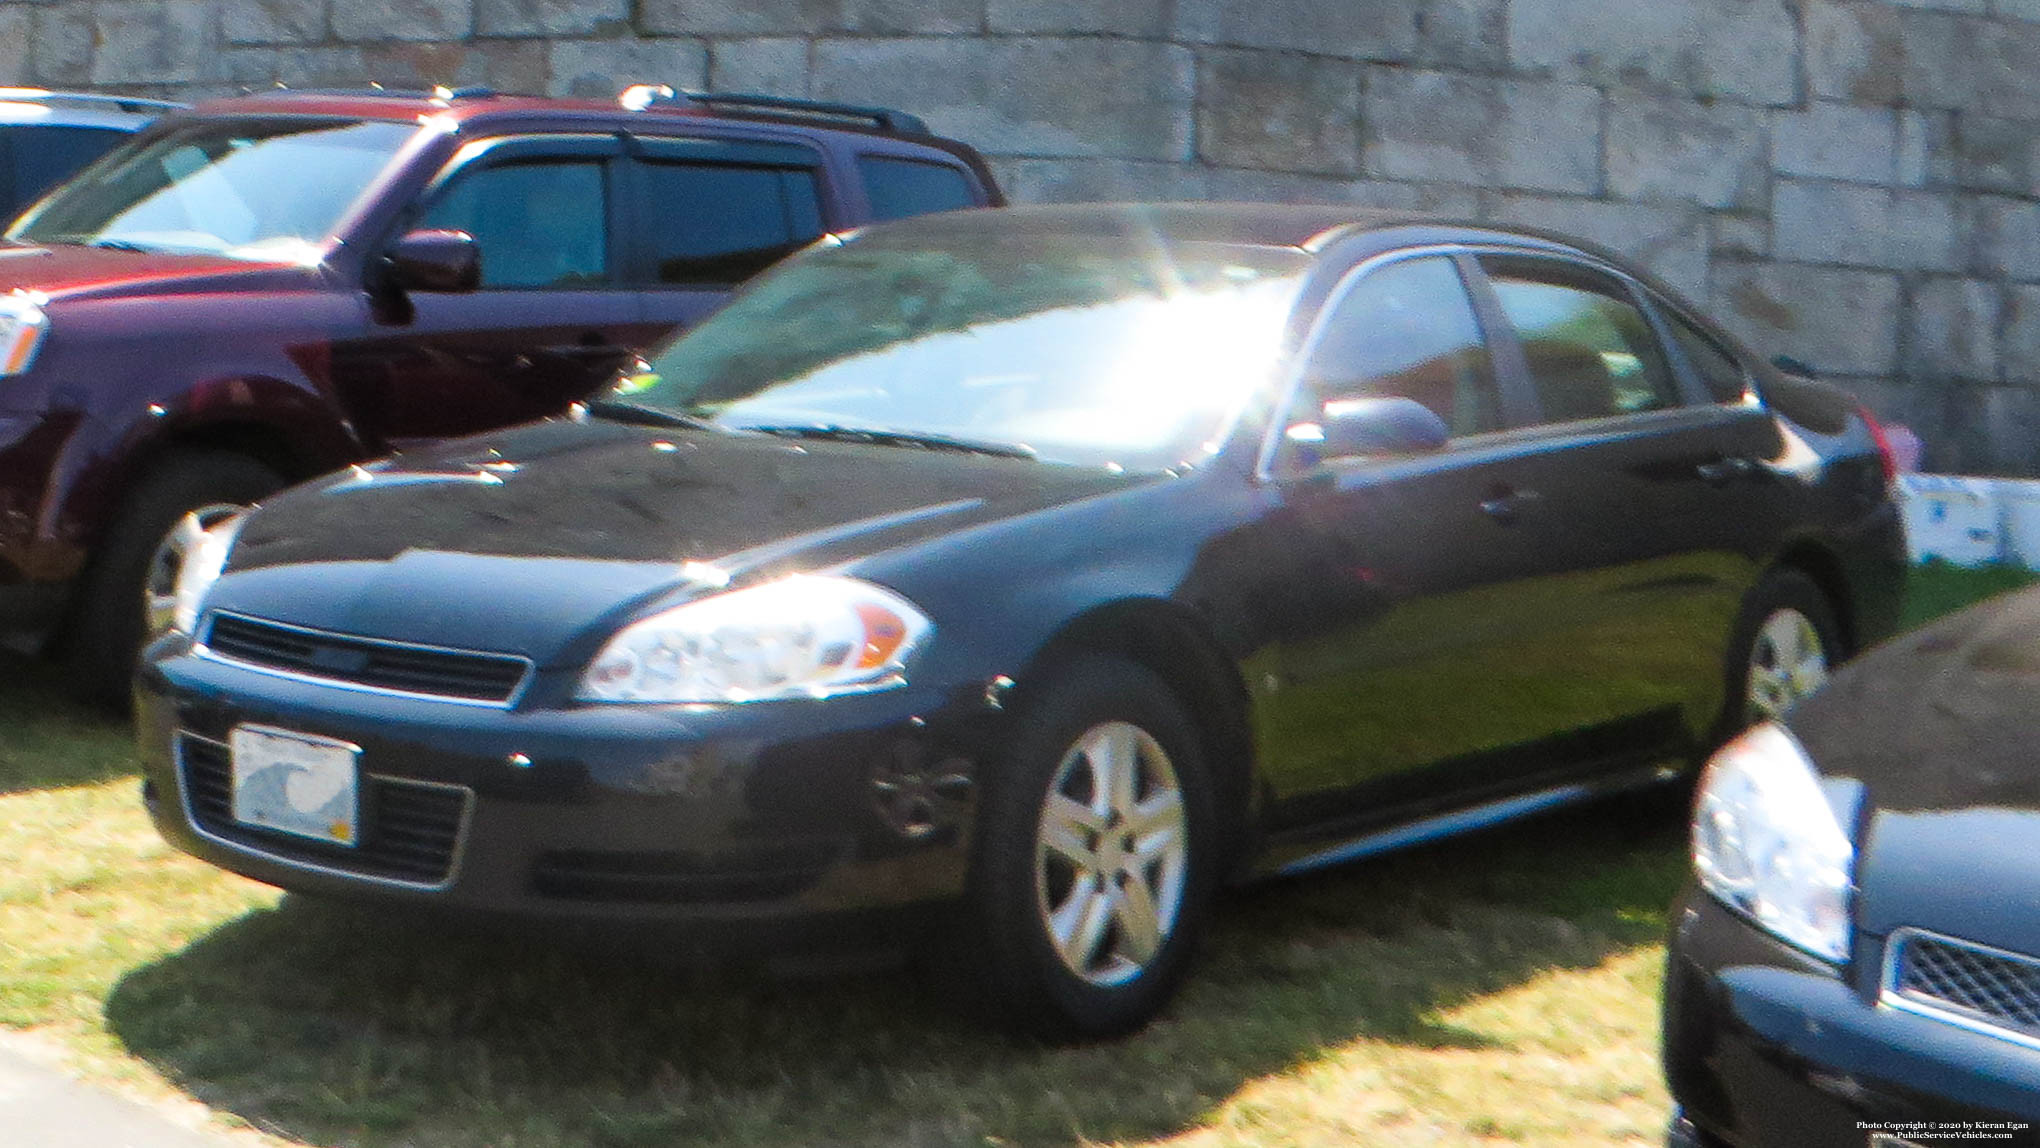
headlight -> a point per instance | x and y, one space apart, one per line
806 636
22 326
1766 842
202 556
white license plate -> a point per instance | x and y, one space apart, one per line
296 783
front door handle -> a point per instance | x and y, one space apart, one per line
1504 503
1722 471
587 352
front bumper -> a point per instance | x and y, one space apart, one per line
766 813
1765 1047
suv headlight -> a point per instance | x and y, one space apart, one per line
1767 843
805 636
22 327
201 554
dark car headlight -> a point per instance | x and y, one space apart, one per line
807 636
1767 842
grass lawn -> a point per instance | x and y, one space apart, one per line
1497 989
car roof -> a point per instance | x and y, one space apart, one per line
1304 226
476 106
79 109
1307 227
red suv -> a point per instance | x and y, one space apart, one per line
265 288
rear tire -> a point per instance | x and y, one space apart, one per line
1092 868
1786 643
108 621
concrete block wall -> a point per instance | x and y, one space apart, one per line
1852 182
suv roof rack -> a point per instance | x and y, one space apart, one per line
639 97
378 91
86 100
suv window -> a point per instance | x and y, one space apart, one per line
717 224
41 156
899 188
1408 329
1589 350
1724 378
539 223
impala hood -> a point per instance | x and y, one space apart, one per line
523 540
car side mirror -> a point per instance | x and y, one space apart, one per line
1377 425
435 260
1792 366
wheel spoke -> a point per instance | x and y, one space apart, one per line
1068 829
1121 746
1156 824
1078 927
1140 928
1767 692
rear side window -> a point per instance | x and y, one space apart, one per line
1724 378
1590 351
717 224
1408 329
42 157
899 188
539 224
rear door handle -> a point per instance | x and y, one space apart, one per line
1504 503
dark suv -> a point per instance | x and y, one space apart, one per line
47 136
265 288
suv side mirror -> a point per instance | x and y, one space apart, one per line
433 260
1378 425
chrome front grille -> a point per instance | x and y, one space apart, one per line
1973 985
367 663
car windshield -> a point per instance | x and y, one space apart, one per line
1076 349
269 190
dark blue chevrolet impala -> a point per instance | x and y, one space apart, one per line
1025 575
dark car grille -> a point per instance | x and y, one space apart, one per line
410 831
763 873
367 661
1966 981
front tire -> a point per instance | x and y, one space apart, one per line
1091 876
135 561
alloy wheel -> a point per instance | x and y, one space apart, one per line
1788 662
1112 854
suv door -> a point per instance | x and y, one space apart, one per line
1416 661
1660 491
552 320
710 213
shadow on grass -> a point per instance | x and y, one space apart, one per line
325 1023
47 740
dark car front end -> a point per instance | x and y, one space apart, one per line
1922 1021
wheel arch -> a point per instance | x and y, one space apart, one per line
1170 641
1825 568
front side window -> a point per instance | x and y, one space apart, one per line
1408 329
716 225
538 223
1092 350
263 189
1590 351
